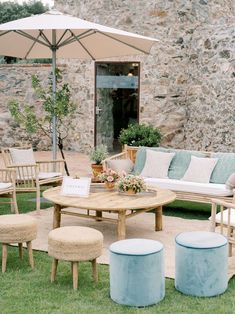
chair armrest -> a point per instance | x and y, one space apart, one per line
122 155
222 203
49 161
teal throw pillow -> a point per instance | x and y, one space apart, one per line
224 167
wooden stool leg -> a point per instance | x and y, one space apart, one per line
54 269
75 275
20 250
94 270
4 257
30 252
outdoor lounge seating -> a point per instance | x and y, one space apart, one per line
17 229
137 272
221 166
7 187
201 263
32 174
224 219
75 244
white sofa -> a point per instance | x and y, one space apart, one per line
185 190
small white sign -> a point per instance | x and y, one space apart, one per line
76 187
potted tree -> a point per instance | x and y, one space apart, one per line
97 155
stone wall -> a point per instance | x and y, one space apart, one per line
186 83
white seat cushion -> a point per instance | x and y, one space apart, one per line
48 175
225 217
120 165
4 185
186 186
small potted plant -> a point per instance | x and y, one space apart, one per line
109 177
131 184
97 155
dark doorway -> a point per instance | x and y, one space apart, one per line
117 101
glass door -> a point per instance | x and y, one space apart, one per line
116 101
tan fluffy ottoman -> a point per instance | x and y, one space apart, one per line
75 244
17 228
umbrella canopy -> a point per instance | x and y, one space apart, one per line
54 34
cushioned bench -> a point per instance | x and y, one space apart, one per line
178 166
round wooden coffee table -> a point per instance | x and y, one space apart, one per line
101 200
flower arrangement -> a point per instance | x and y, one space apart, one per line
108 175
131 184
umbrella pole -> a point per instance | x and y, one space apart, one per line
54 119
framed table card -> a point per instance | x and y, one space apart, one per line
76 187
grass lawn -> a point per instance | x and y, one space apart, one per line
23 290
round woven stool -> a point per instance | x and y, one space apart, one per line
17 228
75 244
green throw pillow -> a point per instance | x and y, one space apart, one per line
224 168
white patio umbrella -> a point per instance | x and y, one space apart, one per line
54 34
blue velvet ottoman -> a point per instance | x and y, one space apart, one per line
137 272
201 263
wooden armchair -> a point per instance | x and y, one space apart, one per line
7 188
32 174
224 218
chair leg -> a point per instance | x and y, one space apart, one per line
14 206
38 200
20 245
30 251
94 270
4 257
75 275
54 269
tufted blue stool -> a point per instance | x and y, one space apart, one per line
137 272
201 263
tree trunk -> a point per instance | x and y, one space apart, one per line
60 145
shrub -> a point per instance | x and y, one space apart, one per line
140 135
98 154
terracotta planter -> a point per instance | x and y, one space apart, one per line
130 192
96 169
109 185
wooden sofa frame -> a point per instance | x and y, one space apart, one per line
130 152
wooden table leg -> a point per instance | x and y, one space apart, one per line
56 216
121 228
158 218
98 215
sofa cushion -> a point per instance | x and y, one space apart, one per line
5 185
224 167
179 163
120 165
192 187
48 175
200 169
22 156
230 183
156 164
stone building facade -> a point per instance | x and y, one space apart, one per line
187 83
